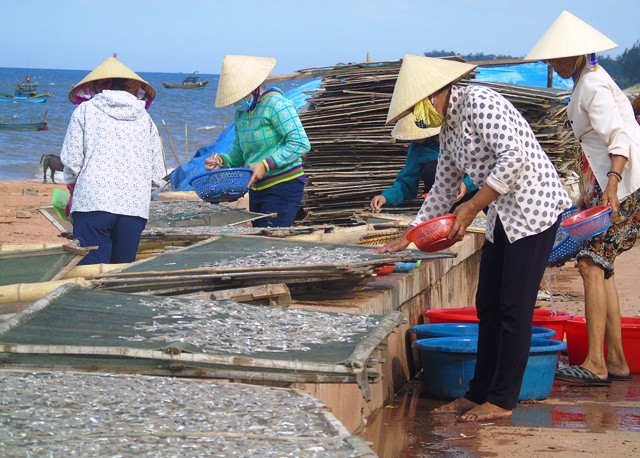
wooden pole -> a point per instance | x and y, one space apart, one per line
186 142
173 150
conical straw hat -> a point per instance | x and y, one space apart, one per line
240 75
406 129
110 68
569 36
419 77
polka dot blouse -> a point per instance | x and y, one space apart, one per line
486 137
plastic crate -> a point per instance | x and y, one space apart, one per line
567 248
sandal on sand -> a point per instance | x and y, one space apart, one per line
619 378
581 376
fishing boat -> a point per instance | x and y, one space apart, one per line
15 124
26 92
190 82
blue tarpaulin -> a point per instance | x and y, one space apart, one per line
531 74
180 177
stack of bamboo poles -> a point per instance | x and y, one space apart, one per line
353 156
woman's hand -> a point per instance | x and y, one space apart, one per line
213 162
465 214
377 203
582 202
610 197
467 211
258 172
398 244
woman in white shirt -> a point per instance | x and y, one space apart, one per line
484 136
602 119
112 153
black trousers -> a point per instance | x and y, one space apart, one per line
509 279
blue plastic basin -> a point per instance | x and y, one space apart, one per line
448 364
426 331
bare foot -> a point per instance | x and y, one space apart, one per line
458 406
486 411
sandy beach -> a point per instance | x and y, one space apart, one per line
20 221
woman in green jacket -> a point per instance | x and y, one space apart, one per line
269 139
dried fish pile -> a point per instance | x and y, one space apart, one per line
297 255
68 414
354 157
226 327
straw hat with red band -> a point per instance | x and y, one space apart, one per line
569 36
419 77
98 80
406 129
240 75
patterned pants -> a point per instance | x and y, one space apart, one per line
620 237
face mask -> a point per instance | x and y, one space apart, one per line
242 104
425 115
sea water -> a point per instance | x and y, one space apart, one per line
186 119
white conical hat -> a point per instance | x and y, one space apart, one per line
110 68
406 129
569 36
240 75
419 77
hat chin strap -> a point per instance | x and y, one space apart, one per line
577 68
255 95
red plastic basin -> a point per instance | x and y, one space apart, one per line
542 318
576 330
431 235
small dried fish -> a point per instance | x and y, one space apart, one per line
231 328
69 414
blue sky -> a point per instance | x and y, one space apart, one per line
187 35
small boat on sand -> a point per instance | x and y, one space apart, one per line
190 82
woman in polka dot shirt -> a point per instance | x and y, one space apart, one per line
484 136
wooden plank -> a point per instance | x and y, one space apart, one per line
277 294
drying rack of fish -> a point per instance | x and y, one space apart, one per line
120 332
239 261
178 214
200 233
71 414
180 222
354 157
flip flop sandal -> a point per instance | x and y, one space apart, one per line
580 376
619 378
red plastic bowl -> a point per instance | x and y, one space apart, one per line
541 318
584 215
431 235
576 330
588 223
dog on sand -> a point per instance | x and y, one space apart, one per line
53 163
